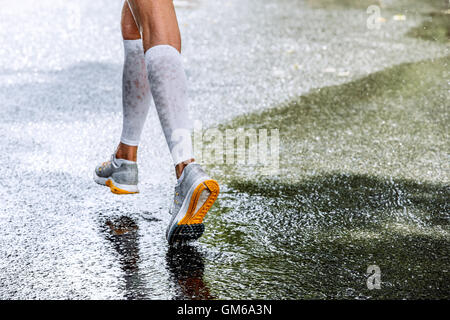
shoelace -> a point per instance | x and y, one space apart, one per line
104 164
114 164
107 163
175 198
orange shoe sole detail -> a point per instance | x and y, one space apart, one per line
193 217
117 190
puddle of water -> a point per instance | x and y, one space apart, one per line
343 4
435 14
436 27
399 5
362 182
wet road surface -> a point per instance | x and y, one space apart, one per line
336 206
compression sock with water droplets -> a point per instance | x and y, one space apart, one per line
169 89
136 96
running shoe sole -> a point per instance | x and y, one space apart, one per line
115 187
190 226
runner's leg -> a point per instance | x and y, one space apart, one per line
158 26
195 191
136 94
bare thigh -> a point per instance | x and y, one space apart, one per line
157 22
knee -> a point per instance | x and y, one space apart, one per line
153 38
130 31
176 43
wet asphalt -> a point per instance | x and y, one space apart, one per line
64 237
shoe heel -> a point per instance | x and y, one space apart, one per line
121 189
214 190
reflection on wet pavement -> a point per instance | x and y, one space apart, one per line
123 234
186 264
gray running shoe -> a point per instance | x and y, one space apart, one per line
120 175
194 196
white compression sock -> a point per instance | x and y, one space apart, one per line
136 94
169 89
